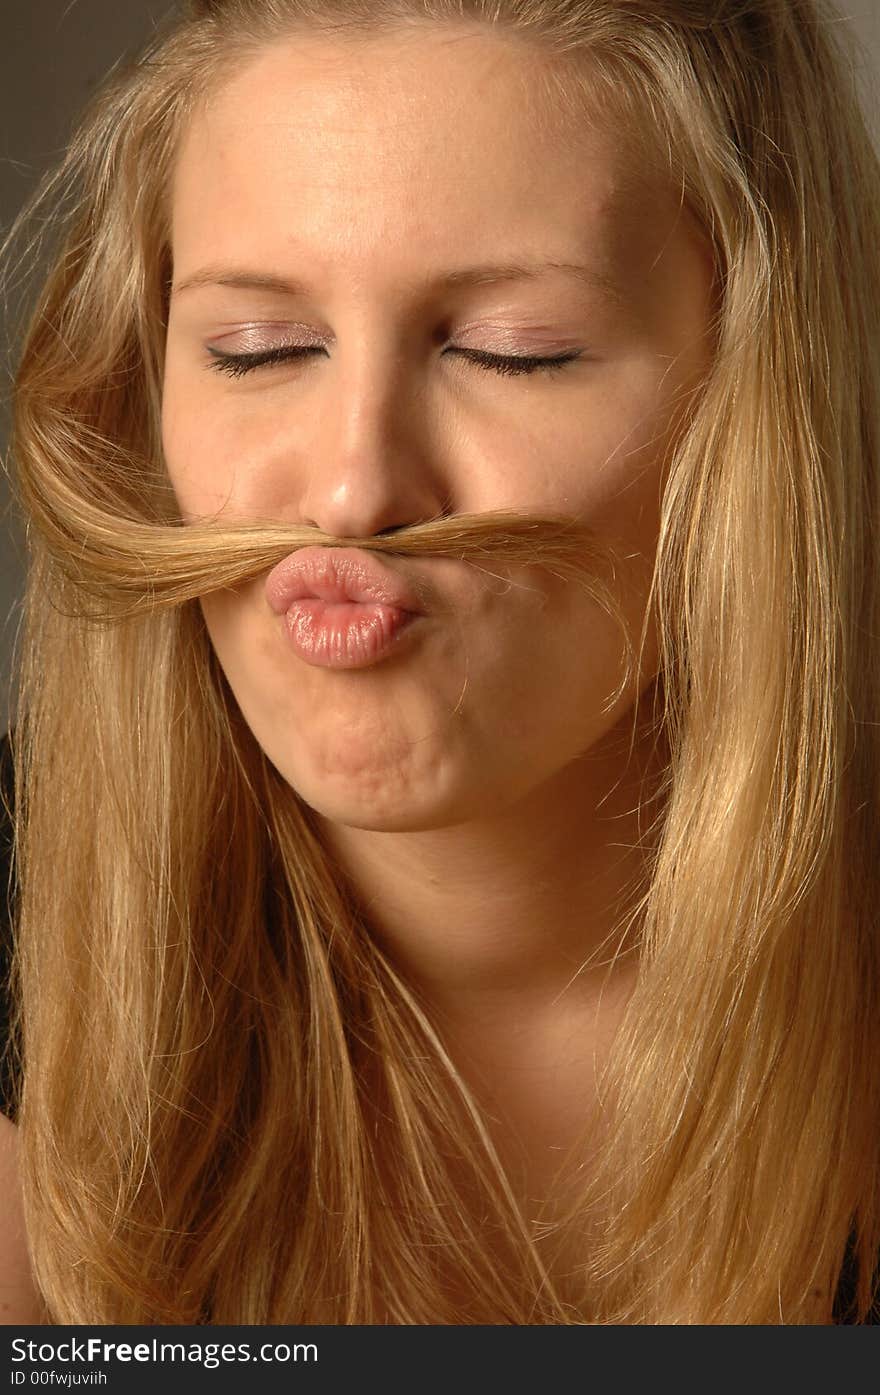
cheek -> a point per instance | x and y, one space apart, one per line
183 448
203 450
256 667
609 468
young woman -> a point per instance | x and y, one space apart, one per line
446 756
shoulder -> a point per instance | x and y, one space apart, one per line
20 1301
845 1297
7 914
7 822
7 815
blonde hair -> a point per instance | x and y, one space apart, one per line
234 1109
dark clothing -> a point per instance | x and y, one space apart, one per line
845 1290
7 916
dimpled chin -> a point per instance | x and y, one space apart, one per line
370 776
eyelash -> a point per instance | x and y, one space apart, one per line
236 365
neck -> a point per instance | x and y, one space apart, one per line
502 913
509 929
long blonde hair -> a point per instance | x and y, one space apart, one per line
234 1109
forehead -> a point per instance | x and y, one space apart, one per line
416 146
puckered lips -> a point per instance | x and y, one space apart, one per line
342 607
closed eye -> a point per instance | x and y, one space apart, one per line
236 365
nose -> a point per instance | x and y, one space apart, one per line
370 466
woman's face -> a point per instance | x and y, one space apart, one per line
333 195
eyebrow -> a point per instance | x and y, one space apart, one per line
244 279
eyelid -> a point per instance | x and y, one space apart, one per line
513 365
263 331
507 340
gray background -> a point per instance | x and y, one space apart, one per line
52 55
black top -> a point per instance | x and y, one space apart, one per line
8 893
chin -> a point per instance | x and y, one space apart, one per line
391 799
402 822
383 809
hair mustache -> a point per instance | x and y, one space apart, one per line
118 568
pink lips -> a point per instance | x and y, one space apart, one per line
342 607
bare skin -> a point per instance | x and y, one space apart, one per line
479 793
527 1019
